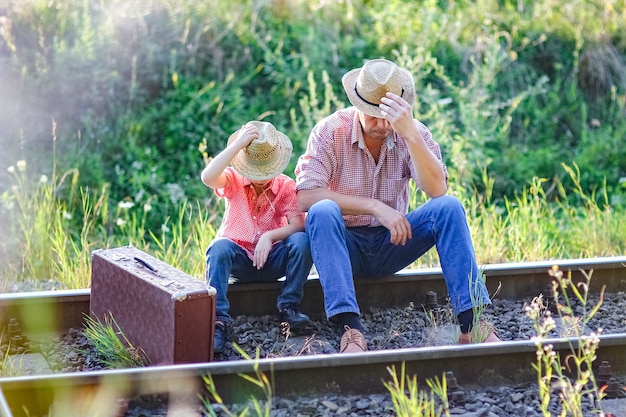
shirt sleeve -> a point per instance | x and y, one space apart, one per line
232 179
318 164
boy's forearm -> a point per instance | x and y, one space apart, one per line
284 232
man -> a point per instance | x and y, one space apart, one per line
353 180
261 237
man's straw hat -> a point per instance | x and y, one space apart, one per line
367 85
265 157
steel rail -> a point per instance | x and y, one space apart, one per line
293 376
473 366
60 310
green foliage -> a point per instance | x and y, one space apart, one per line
136 87
123 95
589 221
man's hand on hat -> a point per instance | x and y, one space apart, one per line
398 113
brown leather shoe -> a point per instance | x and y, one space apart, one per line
353 341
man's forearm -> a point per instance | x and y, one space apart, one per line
349 205
428 168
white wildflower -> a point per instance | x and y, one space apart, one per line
175 192
67 215
11 169
147 207
139 195
43 179
125 204
164 228
120 222
21 165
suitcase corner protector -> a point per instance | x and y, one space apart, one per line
182 295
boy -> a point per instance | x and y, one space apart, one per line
261 237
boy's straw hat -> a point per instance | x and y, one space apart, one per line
265 157
367 85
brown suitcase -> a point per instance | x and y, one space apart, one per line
160 309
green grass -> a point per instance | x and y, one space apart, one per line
261 395
567 376
10 363
51 239
409 401
111 344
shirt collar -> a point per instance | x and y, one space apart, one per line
357 137
274 185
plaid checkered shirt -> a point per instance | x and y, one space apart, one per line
247 216
336 159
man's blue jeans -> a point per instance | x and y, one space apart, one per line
290 258
341 254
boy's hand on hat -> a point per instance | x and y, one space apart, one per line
247 134
398 113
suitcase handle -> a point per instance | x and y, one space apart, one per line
146 264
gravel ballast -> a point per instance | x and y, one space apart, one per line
406 327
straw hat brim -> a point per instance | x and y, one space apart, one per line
349 81
263 170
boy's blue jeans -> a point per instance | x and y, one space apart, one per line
341 253
290 258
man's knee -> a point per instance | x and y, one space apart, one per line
449 204
323 209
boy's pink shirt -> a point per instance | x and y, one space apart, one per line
247 216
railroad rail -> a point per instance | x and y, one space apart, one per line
472 365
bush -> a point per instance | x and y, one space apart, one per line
129 92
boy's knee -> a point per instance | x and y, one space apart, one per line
299 240
220 246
